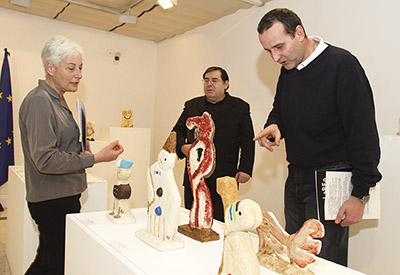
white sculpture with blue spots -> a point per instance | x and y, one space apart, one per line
163 201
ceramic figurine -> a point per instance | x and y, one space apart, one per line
239 255
163 201
126 121
227 188
122 190
90 131
275 242
201 164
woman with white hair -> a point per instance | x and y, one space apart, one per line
54 162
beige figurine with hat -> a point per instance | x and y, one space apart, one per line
121 213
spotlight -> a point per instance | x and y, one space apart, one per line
166 4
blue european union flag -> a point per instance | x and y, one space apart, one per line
6 121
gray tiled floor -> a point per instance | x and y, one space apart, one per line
4 268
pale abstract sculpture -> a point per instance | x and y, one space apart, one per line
239 255
121 213
126 121
274 242
163 201
201 164
227 188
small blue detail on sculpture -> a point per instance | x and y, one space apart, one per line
158 211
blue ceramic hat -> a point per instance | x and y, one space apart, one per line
124 163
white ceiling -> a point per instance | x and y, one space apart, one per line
153 22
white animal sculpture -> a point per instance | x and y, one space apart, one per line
239 256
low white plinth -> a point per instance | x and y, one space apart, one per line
94 245
22 232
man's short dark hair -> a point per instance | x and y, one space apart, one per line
288 18
224 74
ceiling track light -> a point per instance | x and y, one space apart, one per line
122 18
21 3
257 3
87 5
127 18
166 4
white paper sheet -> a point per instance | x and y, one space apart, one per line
338 190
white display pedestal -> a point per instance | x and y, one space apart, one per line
374 244
136 142
94 245
22 233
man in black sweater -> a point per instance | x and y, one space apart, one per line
324 109
233 137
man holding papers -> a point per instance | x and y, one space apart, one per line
324 109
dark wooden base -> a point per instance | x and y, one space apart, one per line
201 235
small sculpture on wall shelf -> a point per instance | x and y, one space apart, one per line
275 242
90 130
126 121
201 164
239 254
121 213
163 201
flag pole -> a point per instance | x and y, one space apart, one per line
1 206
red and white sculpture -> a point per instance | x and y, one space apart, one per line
201 164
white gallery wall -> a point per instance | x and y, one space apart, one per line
106 88
155 79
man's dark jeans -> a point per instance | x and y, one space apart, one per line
301 205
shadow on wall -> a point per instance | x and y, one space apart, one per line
364 225
268 71
270 169
269 164
267 184
179 172
71 98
